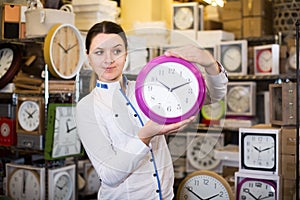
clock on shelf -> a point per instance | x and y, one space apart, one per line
62 139
8 135
266 59
61 182
212 113
253 186
25 182
64 51
170 89
185 19
259 150
200 152
30 115
233 56
292 58
241 98
10 62
177 144
92 179
204 184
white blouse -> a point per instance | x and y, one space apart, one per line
108 126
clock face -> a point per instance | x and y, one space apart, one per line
63 187
6 58
213 111
64 50
170 89
231 57
65 138
10 59
184 18
264 60
177 144
24 184
200 152
204 185
5 129
250 188
92 181
29 115
239 99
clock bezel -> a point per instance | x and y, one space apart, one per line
40 101
275 52
15 65
49 137
140 83
212 174
275 134
243 47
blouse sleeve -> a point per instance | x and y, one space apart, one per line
113 165
216 86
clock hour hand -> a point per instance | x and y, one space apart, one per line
248 191
190 190
269 196
212 197
59 44
171 90
257 149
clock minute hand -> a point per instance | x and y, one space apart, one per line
248 191
189 189
266 148
173 88
212 197
71 47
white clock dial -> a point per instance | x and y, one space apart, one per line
166 85
256 189
213 111
65 141
6 58
92 181
63 187
24 185
5 129
259 151
231 57
29 115
239 99
292 60
265 60
200 153
177 144
204 185
183 18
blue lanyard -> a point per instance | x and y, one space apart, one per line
152 154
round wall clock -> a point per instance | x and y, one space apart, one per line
170 89
64 51
63 186
204 184
213 111
10 62
183 18
232 58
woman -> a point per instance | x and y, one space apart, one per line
131 158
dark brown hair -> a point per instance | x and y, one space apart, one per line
104 27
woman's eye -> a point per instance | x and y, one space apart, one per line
99 52
117 51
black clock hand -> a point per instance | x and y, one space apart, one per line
62 47
212 197
266 148
179 86
256 148
169 89
190 190
265 197
71 47
248 191
29 114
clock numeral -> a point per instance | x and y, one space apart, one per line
169 108
171 71
205 181
178 107
161 72
196 182
149 88
190 91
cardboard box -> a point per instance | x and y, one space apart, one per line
234 26
213 37
232 10
257 8
288 141
256 27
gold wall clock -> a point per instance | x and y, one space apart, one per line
64 51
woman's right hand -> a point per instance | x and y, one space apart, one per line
152 129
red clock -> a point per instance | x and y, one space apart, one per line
8 135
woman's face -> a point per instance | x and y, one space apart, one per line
107 56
